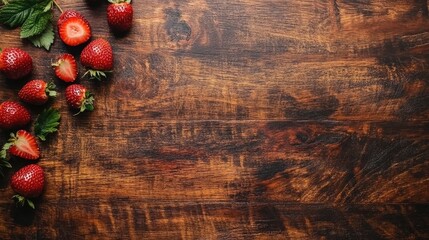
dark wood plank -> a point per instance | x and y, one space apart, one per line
118 218
289 62
234 161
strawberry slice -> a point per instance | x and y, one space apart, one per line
74 31
23 145
66 68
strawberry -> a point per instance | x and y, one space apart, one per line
28 182
98 57
13 115
74 31
120 15
23 145
37 92
78 97
15 63
66 68
69 14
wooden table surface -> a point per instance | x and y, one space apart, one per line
251 119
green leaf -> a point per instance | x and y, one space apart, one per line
47 122
45 39
5 2
35 24
16 12
35 18
48 6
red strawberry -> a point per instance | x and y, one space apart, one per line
79 98
28 182
120 15
66 68
69 14
15 63
37 92
23 145
98 57
13 115
74 31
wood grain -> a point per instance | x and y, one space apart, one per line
248 119
119 218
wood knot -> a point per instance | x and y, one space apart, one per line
176 28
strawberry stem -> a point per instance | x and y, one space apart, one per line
58 6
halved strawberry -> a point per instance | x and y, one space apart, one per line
23 145
66 68
37 92
74 31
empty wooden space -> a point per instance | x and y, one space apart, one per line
250 119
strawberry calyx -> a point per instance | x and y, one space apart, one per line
6 146
96 74
50 89
4 163
21 201
87 103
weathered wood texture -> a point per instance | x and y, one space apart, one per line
247 119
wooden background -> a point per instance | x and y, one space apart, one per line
247 119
